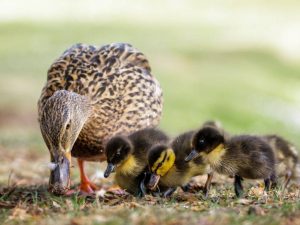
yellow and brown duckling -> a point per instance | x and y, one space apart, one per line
91 94
168 167
286 156
242 156
127 155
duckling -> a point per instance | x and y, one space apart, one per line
168 167
91 94
128 156
286 156
242 156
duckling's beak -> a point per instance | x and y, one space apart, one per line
191 156
59 182
154 179
109 169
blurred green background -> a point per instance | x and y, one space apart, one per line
234 61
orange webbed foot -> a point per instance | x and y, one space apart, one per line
88 187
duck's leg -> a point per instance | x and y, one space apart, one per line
208 184
238 187
85 184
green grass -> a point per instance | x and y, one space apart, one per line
38 205
250 88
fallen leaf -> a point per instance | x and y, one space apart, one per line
56 205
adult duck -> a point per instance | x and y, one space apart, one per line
92 94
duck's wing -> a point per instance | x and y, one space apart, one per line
116 77
127 94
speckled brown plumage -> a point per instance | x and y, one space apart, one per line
90 95
116 80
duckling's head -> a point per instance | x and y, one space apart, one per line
205 140
160 160
61 121
213 123
117 150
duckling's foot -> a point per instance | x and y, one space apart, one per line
169 192
270 182
207 185
267 184
238 188
273 179
192 188
287 180
142 187
117 190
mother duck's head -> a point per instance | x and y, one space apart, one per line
61 121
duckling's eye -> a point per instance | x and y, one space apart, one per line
201 143
118 153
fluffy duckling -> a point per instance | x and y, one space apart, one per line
241 156
286 156
168 167
128 156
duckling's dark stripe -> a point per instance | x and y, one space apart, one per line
160 164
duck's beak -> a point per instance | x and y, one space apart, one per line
154 179
191 156
109 169
59 182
